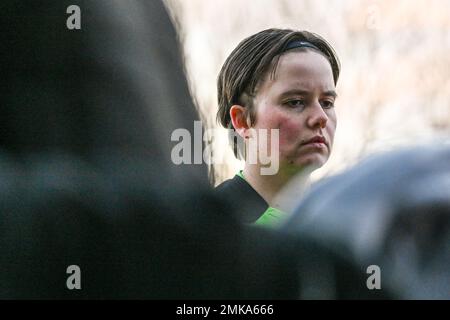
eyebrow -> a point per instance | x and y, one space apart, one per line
331 93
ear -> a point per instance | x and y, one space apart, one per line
239 120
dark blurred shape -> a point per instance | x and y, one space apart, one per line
391 210
85 171
104 86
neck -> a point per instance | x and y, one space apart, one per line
279 190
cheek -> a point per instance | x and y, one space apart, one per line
289 126
290 131
331 126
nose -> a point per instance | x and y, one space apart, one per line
317 117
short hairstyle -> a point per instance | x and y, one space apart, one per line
250 61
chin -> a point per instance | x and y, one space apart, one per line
308 164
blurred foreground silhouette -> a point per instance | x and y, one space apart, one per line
391 210
86 177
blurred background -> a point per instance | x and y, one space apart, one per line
394 87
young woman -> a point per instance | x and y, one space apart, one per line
276 86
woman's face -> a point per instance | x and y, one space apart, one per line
299 101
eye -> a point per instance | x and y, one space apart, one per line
296 103
327 104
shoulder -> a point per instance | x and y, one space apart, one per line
248 203
231 185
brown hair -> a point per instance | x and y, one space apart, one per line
249 62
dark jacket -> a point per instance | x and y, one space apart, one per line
244 199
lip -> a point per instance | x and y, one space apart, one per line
316 140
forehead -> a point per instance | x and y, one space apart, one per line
307 70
